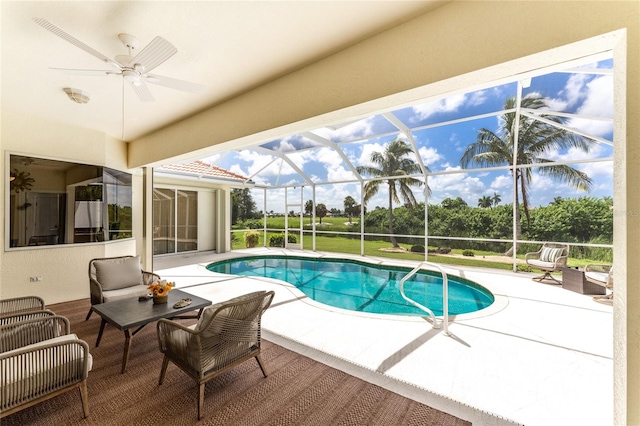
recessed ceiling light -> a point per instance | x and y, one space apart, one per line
77 95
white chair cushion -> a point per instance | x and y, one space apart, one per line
600 277
125 293
540 264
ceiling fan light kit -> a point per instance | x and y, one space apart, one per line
78 96
133 69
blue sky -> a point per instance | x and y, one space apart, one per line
440 147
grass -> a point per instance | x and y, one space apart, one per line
372 248
340 244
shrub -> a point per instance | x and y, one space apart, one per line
277 240
417 248
523 268
443 250
469 253
253 224
251 239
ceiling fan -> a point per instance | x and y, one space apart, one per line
134 69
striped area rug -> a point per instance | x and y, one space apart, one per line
298 390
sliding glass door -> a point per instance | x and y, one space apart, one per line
175 221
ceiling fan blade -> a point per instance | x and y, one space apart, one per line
94 73
173 83
142 90
69 38
155 53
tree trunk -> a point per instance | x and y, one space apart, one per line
390 227
518 227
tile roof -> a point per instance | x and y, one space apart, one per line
200 168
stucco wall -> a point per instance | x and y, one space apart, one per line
63 268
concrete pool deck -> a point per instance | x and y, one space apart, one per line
542 356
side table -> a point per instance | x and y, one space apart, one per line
573 279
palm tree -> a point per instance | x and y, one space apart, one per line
536 140
321 211
349 206
393 162
495 200
485 202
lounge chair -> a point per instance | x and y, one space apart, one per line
226 335
551 257
40 359
17 305
600 274
115 278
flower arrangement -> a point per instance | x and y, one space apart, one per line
161 288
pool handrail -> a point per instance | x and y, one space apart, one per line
445 296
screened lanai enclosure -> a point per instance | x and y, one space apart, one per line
471 175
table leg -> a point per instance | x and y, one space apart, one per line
127 345
102 324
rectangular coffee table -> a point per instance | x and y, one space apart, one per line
129 313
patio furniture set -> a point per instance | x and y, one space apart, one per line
594 278
40 358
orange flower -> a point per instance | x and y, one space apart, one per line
161 288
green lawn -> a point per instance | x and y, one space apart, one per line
339 244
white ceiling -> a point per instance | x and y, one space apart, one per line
229 46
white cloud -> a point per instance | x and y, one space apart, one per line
359 129
598 103
450 104
426 110
573 91
365 155
457 185
212 159
429 155
501 182
597 170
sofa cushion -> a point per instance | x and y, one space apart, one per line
114 274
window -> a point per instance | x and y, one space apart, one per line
58 202
175 221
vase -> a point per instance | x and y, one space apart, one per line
160 299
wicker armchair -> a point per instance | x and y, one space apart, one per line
115 278
226 334
551 257
40 359
20 304
600 274
9 319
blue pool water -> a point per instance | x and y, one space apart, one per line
360 286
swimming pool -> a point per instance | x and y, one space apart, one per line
360 286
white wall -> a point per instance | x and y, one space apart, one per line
63 268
